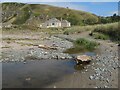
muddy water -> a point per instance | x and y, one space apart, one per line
35 73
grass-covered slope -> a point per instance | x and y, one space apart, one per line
23 13
106 31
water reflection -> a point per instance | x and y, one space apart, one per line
37 73
81 66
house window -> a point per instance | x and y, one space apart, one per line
53 23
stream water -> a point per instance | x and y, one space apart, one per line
36 73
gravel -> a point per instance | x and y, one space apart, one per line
36 53
105 64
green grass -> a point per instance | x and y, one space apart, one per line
22 17
47 11
106 31
101 31
81 42
100 36
76 29
81 45
79 29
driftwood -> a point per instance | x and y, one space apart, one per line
47 47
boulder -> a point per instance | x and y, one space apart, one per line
84 58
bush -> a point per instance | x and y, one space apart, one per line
106 31
66 33
100 36
89 45
81 45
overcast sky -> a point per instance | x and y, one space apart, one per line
102 8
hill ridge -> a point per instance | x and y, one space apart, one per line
24 12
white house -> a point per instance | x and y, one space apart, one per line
65 23
55 23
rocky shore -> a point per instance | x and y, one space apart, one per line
101 73
106 66
23 53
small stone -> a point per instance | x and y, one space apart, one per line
62 57
97 78
22 58
91 77
95 87
24 62
105 86
107 80
28 79
54 87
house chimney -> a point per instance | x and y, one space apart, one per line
47 17
61 18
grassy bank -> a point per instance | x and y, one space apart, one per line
107 31
97 35
77 29
101 31
81 45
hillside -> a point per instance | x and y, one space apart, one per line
19 13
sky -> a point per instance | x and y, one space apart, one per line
102 8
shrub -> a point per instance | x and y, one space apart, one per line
100 36
81 45
66 33
108 31
89 45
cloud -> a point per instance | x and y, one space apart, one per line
111 13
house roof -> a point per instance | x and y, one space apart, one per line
53 20
56 20
64 21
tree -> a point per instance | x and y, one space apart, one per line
114 15
74 20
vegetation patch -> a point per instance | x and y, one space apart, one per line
24 15
106 31
101 31
76 29
100 36
81 45
43 12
